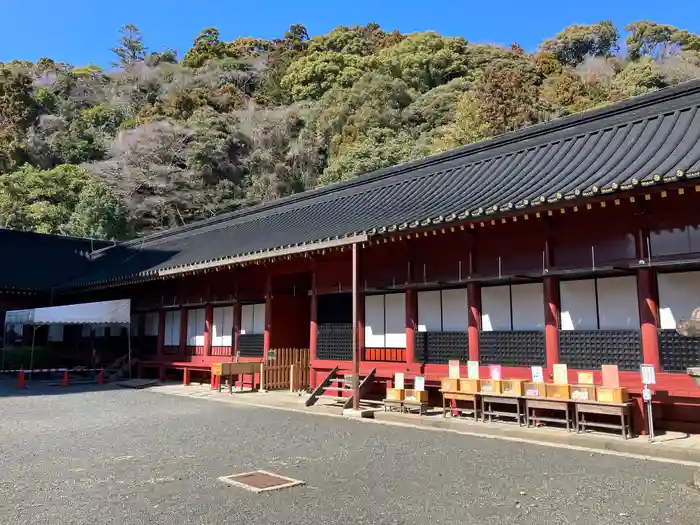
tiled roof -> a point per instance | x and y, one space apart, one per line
643 141
33 262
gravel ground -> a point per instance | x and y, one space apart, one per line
131 457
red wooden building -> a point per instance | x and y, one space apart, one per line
575 241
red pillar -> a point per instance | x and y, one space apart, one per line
361 324
183 332
208 328
236 327
649 316
474 320
268 315
551 321
161 333
411 325
313 324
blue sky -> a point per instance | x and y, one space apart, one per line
82 31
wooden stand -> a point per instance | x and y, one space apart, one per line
532 404
460 396
488 400
622 410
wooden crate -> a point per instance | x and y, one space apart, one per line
419 396
469 386
395 394
534 389
558 391
491 386
583 392
513 387
449 385
612 395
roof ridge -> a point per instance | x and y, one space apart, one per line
559 124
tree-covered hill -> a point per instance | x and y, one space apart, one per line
161 140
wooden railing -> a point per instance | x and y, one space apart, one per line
289 369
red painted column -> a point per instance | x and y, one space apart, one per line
208 328
313 323
161 333
268 315
236 327
649 316
411 325
551 321
474 320
183 332
361 324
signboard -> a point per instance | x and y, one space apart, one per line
561 374
272 355
398 380
454 368
537 374
473 369
419 383
495 372
585 378
648 374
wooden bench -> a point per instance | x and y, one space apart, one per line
393 404
532 404
621 410
460 396
488 400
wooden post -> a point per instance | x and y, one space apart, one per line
208 328
551 320
161 333
313 324
183 332
355 356
411 324
649 316
268 315
474 320
236 328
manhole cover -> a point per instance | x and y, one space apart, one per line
260 481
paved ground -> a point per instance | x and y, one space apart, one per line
131 457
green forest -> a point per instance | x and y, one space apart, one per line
163 138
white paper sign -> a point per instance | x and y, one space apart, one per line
398 380
537 374
648 374
419 383
453 368
473 369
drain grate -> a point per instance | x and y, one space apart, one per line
260 481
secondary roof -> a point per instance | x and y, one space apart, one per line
640 142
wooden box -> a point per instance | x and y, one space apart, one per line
534 389
513 387
557 391
469 386
583 392
449 385
417 396
395 394
612 395
491 386
217 369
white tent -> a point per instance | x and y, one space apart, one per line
116 313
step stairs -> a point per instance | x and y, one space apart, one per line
118 369
340 388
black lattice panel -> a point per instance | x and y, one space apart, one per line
589 349
514 348
334 341
678 353
440 347
251 345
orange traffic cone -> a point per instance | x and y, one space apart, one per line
101 377
20 380
65 378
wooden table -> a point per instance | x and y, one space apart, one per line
393 404
460 396
622 410
413 404
533 404
487 400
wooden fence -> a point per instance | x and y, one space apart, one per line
288 369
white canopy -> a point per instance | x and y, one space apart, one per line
106 312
